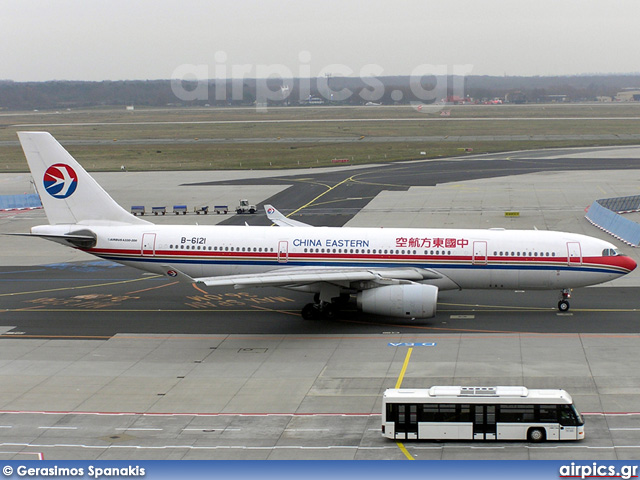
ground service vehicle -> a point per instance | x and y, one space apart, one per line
480 413
244 207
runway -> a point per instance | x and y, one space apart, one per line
103 361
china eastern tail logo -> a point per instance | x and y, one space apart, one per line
60 180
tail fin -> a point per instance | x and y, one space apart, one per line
279 219
68 193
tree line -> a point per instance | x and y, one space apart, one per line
337 90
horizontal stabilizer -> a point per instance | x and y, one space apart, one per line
70 240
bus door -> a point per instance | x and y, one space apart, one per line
406 426
484 422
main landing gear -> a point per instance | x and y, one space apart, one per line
324 310
316 311
563 304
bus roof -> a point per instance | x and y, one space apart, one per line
459 394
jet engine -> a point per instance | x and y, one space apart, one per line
414 300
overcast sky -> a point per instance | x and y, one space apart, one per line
142 39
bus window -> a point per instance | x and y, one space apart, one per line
517 413
429 413
465 413
447 412
402 416
548 413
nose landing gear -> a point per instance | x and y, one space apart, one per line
563 304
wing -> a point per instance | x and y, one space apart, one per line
304 276
279 219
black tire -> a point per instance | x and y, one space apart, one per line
563 306
252 210
310 312
330 311
537 435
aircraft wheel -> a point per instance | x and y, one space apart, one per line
563 306
310 312
330 311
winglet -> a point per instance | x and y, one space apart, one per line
279 219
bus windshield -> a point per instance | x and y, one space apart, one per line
569 416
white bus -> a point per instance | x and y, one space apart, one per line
480 413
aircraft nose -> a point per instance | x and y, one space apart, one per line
630 264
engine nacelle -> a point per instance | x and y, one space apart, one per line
407 301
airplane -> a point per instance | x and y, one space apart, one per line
395 272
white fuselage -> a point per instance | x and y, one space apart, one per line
464 258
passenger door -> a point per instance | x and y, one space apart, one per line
148 244
574 253
406 422
479 253
484 422
283 251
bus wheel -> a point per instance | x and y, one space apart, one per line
536 435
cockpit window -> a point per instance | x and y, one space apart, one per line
611 252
